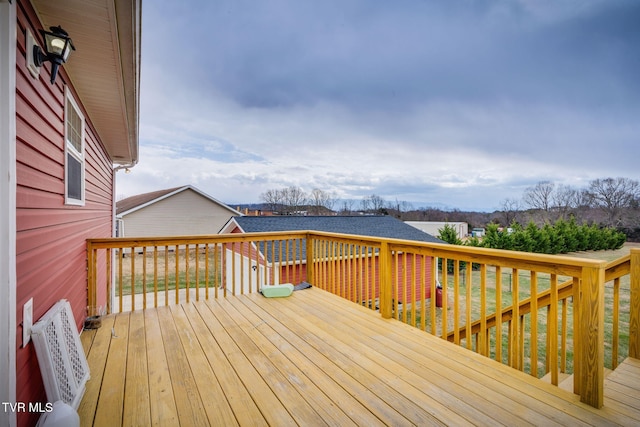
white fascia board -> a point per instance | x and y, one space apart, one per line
8 278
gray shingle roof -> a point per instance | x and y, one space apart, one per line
376 226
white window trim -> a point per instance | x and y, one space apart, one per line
69 149
8 280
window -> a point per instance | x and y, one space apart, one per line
74 152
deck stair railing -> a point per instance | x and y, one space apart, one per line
541 314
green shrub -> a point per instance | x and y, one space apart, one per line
561 237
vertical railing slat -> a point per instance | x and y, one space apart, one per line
499 314
533 340
552 330
634 305
616 322
385 280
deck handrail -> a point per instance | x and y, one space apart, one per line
392 275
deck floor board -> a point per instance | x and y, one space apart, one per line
314 359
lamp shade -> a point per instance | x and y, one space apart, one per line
57 44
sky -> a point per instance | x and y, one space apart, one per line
448 104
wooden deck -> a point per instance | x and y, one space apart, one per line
314 359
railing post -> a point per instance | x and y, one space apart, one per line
91 280
310 258
386 305
590 336
634 316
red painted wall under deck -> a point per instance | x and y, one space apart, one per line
50 245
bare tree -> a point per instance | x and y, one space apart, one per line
399 207
565 199
539 197
320 201
365 204
509 210
274 198
377 203
294 199
347 207
613 195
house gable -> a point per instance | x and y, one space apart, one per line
182 211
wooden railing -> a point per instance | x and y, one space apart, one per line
538 313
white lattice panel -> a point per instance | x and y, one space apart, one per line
60 355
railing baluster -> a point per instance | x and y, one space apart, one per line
187 277
207 281
385 280
217 270
564 336
176 256
144 278
456 302
120 280
514 339
413 290
552 330
155 275
484 347
109 276
434 292
499 313
196 273
444 328
133 279
634 304
166 275
616 321
533 340
423 293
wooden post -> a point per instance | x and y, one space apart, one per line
634 317
385 281
310 256
591 336
91 282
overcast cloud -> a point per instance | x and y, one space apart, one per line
457 104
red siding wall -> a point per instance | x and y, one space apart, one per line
50 246
409 273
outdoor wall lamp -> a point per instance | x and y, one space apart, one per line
57 46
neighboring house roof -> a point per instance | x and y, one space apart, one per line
134 203
105 68
376 226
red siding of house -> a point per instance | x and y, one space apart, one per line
409 279
50 243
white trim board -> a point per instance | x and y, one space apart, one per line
8 44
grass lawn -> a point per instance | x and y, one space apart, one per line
165 264
524 287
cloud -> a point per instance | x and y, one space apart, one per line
437 103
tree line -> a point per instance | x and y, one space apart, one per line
294 200
611 202
607 202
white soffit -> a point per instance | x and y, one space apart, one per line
105 68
